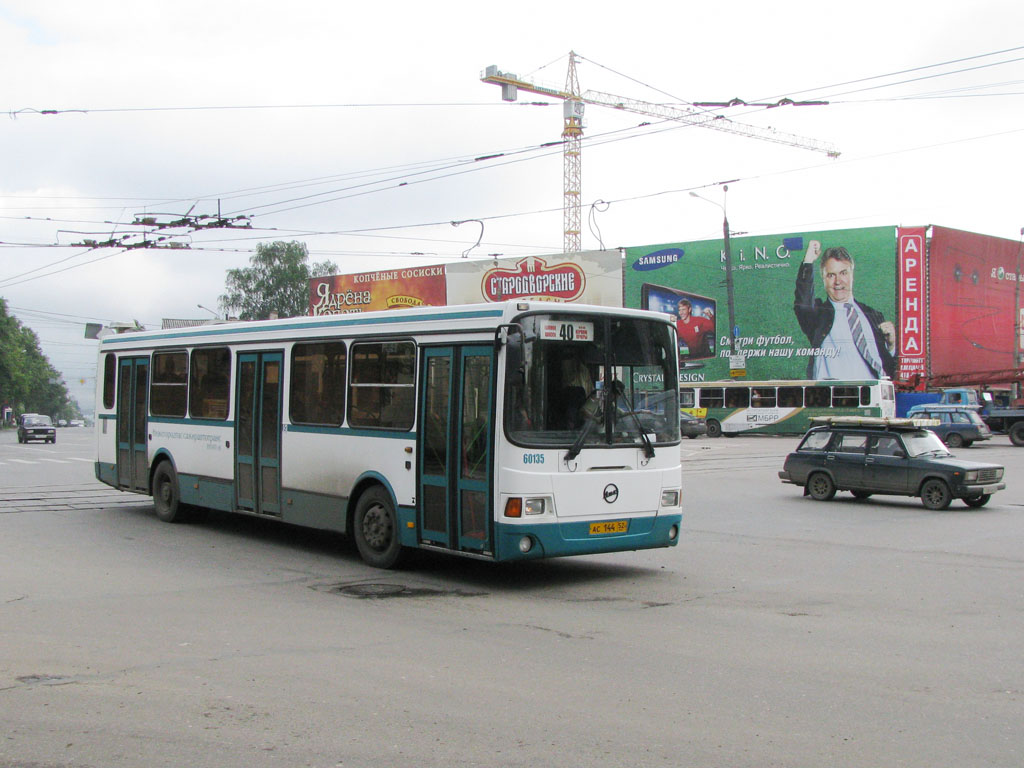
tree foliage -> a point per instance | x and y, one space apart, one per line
28 382
276 282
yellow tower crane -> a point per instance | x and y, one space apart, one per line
572 131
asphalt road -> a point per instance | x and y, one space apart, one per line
780 632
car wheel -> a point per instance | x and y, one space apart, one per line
692 437
166 495
968 443
935 494
861 494
714 428
375 528
954 440
978 501
821 487
1017 433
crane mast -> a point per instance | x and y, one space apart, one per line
572 130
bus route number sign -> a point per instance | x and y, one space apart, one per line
563 330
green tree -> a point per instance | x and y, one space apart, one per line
28 382
276 282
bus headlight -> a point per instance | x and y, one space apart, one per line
670 498
535 506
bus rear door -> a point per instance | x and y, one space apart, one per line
258 433
132 409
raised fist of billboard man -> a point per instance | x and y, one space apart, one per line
813 252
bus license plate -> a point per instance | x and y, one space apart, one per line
612 526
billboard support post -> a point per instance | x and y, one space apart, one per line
728 266
728 283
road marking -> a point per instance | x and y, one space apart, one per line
22 461
79 458
56 461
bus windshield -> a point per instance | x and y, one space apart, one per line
580 381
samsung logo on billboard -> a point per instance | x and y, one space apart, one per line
658 259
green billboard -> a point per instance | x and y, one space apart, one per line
804 305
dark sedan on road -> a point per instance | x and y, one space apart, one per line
690 426
886 456
36 427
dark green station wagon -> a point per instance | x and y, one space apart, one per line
899 457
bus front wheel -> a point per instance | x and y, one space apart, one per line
714 428
375 528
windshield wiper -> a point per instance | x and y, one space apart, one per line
591 414
620 391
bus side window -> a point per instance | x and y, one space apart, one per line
712 397
817 397
210 383
109 380
381 388
687 398
791 397
738 397
317 387
762 397
169 385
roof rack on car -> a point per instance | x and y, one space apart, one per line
872 421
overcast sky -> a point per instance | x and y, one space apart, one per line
353 127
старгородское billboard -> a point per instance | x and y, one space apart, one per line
590 277
787 291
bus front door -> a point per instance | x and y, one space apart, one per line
132 408
258 433
455 449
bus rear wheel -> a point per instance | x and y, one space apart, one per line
714 428
375 528
166 495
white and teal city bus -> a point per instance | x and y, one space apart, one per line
498 431
783 407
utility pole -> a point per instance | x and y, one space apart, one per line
727 250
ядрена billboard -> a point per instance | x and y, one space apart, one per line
971 284
787 325
384 289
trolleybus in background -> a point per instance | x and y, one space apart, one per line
499 431
783 407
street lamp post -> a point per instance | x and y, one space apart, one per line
216 316
728 266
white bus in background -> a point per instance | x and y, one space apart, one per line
498 431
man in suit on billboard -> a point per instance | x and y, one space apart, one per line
853 340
